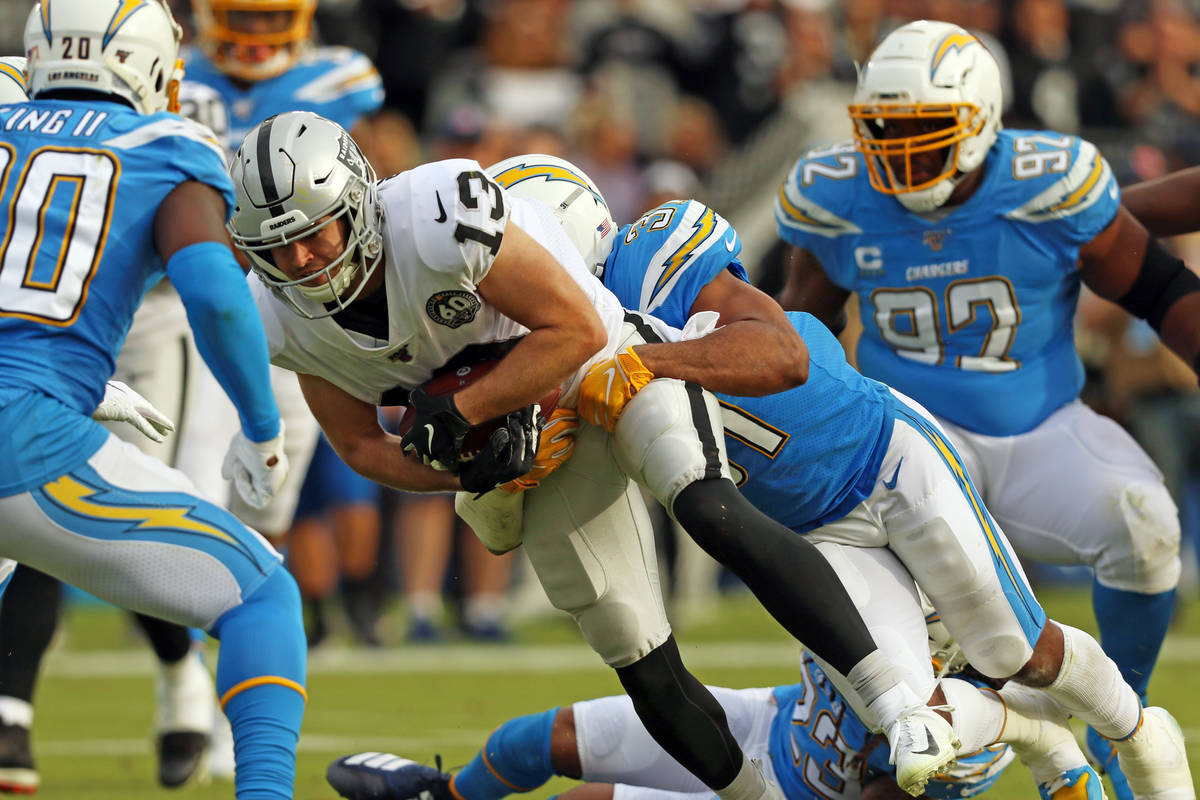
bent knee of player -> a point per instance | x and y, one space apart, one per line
620 633
1142 553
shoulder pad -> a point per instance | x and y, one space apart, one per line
812 194
1086 179
165 125
341 72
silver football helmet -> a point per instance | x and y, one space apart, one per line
942 82
570 194
294 174
12 80
129 48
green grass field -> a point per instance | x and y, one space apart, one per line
95 703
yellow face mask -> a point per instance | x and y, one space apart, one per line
253 40
911 146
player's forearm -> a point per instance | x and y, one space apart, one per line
381 459
541 362
1181 330
228 332
746 358
1167 206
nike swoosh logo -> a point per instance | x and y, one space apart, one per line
892 483
441 217
932 749
730 242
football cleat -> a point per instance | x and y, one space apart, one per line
186 709
384 776
1081 783
923 745
17 773
1154 759
1104 755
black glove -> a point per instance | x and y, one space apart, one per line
437 432
508 454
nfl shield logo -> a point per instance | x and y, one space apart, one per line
934 239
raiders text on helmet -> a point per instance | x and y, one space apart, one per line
129 48
937 73
570 194
294 174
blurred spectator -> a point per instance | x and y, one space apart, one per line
1045 89
389 142
668 180
606 136
694 136
816 95
466 131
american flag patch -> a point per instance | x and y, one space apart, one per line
604 227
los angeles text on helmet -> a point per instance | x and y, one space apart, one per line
74 75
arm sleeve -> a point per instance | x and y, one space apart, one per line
228 332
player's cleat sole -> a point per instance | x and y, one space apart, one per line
384 776
186 708
1154 759
923 745
17 772
181 758
1081 783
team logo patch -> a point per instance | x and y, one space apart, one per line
452 308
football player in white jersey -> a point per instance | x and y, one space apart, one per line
367 291
967 246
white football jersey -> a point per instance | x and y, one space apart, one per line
443 225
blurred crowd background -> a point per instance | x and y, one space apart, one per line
715 99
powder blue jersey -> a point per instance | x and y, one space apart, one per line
969 312
805 456
821 751
82 182
336 82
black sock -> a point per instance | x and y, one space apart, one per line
28 617
785 571
171 642
682 715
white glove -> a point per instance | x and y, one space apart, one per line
257 469
122 404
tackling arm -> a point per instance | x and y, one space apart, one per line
352 427
1125 265
756 352
526 284
807 288
1167 206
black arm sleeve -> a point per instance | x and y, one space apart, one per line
1161 281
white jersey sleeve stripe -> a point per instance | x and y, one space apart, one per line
1089 178
355 75
164 128
794 210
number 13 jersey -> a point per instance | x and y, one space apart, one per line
971 311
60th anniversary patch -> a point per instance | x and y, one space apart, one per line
452 307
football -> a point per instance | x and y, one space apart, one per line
453 381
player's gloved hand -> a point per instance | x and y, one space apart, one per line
257 469
508 454
609 385
437 432
556 443
122 404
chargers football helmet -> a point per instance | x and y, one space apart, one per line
12 80
294 174
253 40
570 194
129 49
945 85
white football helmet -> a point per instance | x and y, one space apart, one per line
294 174
570 194
939 74
129 48
12 80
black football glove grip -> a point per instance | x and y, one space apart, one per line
508 454
437 432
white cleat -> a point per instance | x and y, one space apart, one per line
185 719
1154 759
923 745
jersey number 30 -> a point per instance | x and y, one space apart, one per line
908 321
57 224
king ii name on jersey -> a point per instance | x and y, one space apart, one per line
970 311
72 271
